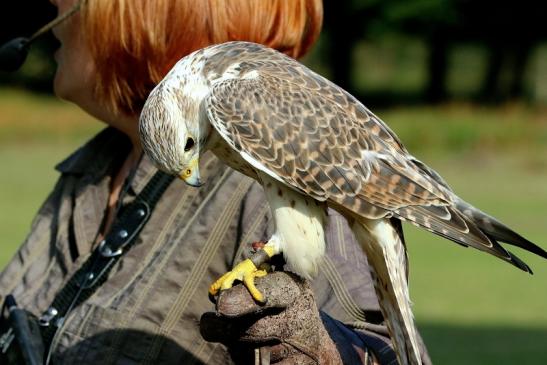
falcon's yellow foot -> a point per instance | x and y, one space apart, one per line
246 272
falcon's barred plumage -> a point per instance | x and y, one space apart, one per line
311 144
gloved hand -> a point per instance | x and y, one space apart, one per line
286 330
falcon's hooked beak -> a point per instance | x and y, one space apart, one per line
190 174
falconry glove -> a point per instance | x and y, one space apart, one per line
286 330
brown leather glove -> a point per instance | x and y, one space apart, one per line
286 330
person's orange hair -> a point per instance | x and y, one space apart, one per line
135 42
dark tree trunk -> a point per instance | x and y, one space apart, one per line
521 55
437 66
341 38
491 86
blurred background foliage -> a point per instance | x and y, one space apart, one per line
437 50
386 52
463 83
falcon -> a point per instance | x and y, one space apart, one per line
310 144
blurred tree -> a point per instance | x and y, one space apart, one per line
343 27
431 20
347 22
508 30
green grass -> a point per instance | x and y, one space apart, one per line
36 132
453 344
30 118
470 307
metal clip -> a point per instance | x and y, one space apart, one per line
6 339
106 251
48 316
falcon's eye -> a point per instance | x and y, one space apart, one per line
189 144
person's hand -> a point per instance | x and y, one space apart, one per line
286 330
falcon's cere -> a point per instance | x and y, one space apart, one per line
311 144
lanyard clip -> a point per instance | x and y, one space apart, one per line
48 316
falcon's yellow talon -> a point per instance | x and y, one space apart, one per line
255 293
260 273
215 287
246 272
229 281
249 282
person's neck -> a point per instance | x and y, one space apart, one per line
116 187
126 123
129 125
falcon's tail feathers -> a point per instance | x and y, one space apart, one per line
450 223
490 226
497 230
386 256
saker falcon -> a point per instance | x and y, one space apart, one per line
311 144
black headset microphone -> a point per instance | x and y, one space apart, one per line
14 53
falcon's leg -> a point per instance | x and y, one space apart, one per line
386 256
299 226
299 234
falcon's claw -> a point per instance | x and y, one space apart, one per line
246 272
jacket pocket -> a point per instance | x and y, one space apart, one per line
98 335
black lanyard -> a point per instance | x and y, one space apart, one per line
94 272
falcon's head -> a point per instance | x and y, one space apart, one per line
172 133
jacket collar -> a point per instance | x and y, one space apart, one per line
97 155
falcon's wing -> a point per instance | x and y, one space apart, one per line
316 138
